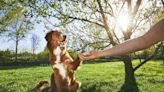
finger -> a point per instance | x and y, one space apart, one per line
86 54
92 52
81 56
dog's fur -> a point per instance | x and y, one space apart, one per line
63 65
44 86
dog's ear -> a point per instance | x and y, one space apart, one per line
48 36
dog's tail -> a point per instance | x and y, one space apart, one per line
43 86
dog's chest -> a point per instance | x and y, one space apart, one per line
57 53
61 69
59 65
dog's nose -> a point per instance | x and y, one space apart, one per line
65 36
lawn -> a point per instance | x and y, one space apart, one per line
96 77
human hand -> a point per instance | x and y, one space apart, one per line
88 55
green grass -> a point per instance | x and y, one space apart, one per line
98 77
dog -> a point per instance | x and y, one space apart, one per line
62 64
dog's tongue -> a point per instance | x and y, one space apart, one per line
62 43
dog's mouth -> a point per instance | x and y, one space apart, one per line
63 42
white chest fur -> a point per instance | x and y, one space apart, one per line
61 69
57 53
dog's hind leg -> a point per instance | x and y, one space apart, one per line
76 85
53 85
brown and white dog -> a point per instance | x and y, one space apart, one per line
62 64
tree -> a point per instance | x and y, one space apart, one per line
14 21
17 33
104 14
10 10
34 43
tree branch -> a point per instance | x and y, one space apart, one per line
129 5
146 60
162 2
106 23
138 3
75 18
86 20
58 25
100 11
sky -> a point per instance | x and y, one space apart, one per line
25 44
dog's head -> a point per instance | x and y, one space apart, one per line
56 38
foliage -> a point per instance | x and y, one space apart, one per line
87 14
43 56
6 56
72 53
10 11
100 77
159 16
14 21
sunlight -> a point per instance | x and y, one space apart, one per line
123 21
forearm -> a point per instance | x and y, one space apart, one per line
125 48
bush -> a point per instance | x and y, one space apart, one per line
72 53
43 56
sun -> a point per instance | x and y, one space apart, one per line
123 21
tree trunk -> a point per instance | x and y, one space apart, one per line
130 81
16 48
162 52
16 51
33 50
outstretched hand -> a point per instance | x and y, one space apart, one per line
88 55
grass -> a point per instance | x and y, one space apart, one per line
97 77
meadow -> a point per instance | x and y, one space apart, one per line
95 77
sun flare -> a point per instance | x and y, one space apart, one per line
123 21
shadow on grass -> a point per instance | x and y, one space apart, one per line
96 87
129 86
108 87
32 90
3 89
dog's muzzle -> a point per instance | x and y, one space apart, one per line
63 42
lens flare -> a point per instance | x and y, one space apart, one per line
123 21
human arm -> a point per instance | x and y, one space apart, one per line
153 36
